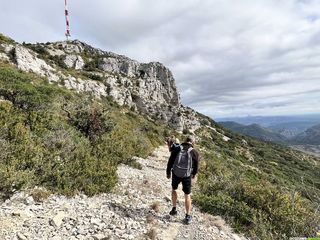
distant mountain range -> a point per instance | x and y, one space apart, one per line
289 133
310 136
289 126
256 131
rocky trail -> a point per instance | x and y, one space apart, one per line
136 209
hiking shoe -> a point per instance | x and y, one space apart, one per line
188 219
173 211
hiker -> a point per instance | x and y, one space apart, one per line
172 143
183 166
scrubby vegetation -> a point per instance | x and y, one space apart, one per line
43 53
66 142
5 39
263 189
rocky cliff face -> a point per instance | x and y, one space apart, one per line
146 87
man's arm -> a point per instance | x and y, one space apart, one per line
195 162
171 160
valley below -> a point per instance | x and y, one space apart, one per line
309 149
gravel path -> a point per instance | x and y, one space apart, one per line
136 209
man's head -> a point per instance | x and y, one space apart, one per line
190 139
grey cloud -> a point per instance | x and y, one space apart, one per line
228 57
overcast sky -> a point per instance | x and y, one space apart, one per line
229 57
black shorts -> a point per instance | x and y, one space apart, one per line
186 183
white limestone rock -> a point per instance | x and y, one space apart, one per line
20 236
71 47
29 200
4 56
7 47
57 220
97 88
26 60
146 87
74 61
55 52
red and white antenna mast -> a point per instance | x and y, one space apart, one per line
66 12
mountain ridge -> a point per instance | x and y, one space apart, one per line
255 130
310 137
276 133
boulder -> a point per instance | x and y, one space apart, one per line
74 61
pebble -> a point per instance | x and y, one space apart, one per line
29 200
57 220
20 236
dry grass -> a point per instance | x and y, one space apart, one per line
150 219
39 195
155 206
216 221
152 234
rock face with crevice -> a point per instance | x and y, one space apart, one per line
146 87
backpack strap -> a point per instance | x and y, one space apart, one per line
180 153
190 160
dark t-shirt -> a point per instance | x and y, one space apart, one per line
174 152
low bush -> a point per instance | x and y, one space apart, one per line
262 196
66 142
5 39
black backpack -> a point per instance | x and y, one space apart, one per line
182 166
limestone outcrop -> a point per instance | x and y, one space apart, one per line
146 87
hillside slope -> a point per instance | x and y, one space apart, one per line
70 114
256 131
311 136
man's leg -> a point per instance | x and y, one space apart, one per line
187 203
174 197
187 199
186 187
174 194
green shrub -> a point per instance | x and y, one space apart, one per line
39 194
5 39
38 48
66 142
253 205
186 131
92 65
91 120
93 76
58 60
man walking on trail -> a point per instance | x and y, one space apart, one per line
183 166
172 142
